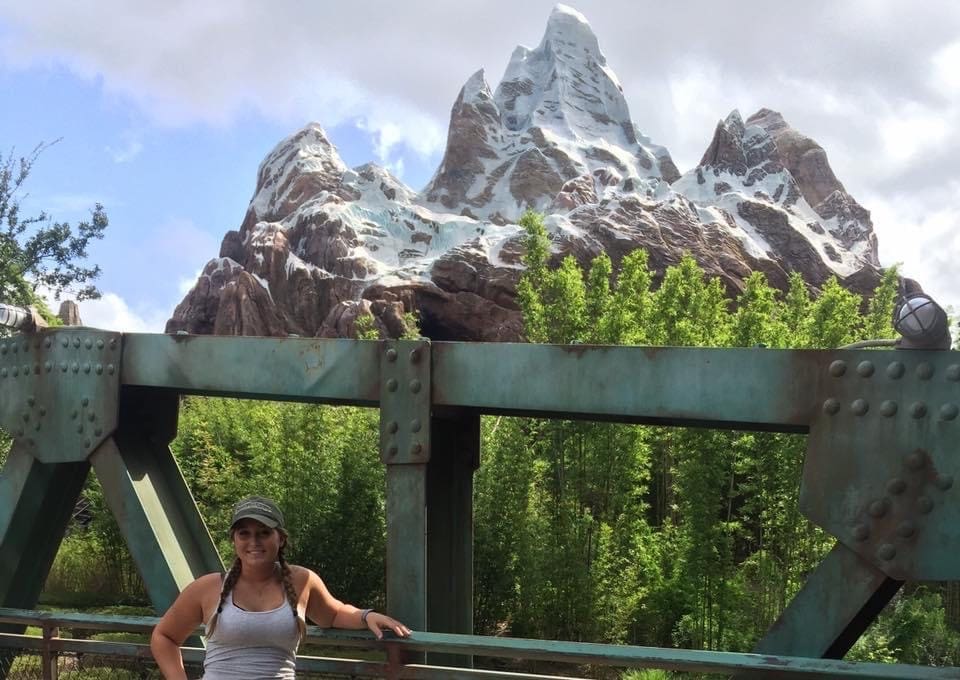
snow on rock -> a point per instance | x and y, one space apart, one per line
322 244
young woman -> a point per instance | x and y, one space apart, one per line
255 615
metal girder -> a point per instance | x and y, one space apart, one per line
58 391
407 544
840 599
735 388
150 500
36 503
298 369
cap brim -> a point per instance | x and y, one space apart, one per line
263 519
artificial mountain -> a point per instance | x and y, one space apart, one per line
323 244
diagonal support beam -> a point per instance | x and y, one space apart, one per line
146 491
840 599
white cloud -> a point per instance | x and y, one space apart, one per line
112 312
129 148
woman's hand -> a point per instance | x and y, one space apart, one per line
378 622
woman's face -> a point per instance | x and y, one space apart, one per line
255 543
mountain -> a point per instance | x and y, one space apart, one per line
323 244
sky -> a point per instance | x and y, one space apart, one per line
164 110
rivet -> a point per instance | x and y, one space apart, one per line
906 529
85 401
15 371
861 532
49 366
86 368
888 408
26 417
895 370
88 343
948 411
47 342
838 368
414 425
414 385
896 486
416 448
944 482
918 409
415 356
100 343
63 366
953 372
65 342
86 443
924 504
831 406
91 416
26 347
3 348
916 460
75 367
26 369
110 369
99 369
80 428
76 342
14 347
392 427
3 372
36 426
879 508
860 407
43 411
98 431
19 431
31 401
886 552
391 354
865 368
392 450
392 385
924 371
74 414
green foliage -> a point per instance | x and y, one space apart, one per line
35 251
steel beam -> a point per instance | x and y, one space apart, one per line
297 369
149 498
840 599
455 457
407 545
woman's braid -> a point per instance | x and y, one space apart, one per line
228 584
287 579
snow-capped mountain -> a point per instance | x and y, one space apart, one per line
322 243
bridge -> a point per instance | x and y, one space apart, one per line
879 473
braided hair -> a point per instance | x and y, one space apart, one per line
286 579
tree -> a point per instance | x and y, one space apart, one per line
37 252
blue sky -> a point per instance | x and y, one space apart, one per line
165 110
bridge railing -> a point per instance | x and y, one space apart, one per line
103 658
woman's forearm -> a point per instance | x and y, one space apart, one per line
167 654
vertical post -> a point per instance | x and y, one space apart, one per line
455 457
48 659
405 446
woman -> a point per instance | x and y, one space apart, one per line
255 615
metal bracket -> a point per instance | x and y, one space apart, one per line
405 401
58 391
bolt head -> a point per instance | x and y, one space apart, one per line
916 460
953 372
415 356
392 385
391 354
888 408
392 427
392 450
415 425
886 552
88 344
415 385
918 409
878 508
838 368
865 369
949 412
924 370
831 406
924 504
895 370
861 532
100 343
906 529
859 407
416 448
896 486
944 482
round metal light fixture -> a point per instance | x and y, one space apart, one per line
922 323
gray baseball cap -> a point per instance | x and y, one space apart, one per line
259 508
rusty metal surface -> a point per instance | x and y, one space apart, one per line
299 369
405 400
882 460
58 391
741 388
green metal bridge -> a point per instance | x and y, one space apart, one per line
879 473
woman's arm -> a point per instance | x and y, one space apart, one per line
328 612
176 625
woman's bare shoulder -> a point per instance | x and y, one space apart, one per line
205 584
302 576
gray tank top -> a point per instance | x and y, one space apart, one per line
252 644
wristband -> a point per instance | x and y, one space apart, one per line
363 616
